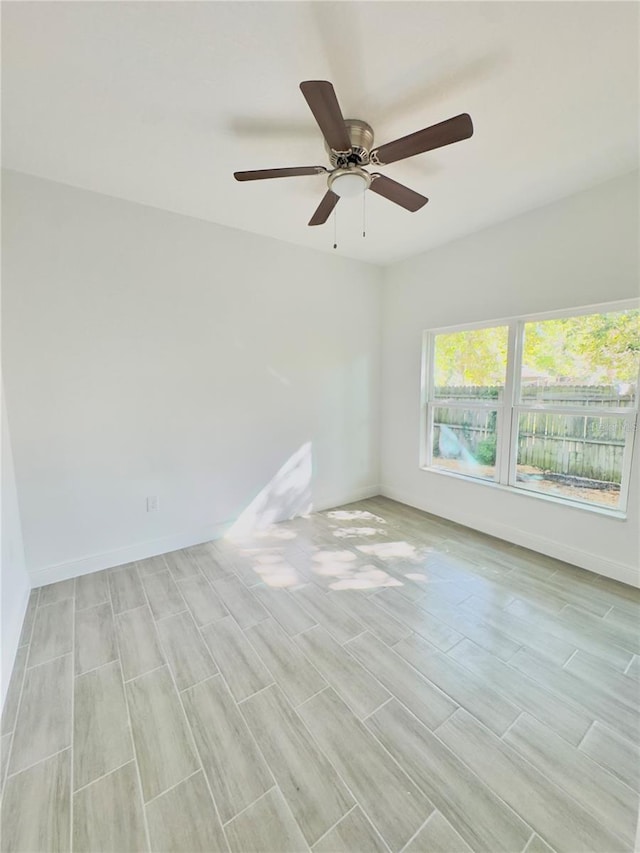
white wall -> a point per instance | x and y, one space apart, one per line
147 353
579 251
14 580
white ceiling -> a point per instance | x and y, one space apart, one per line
160 102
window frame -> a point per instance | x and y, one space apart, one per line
510 409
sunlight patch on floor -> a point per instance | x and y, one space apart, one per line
398 550
366 577
278 520
354 515
353 532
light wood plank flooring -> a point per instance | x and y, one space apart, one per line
370 678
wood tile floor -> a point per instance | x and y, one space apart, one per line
368 679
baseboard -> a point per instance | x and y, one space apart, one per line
569 554
142 550
121 556
10 638
351 497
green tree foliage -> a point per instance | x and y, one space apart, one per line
476 357
592 349
589 350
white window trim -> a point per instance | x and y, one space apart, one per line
509 410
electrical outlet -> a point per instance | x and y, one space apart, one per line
153 503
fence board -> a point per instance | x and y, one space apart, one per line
587 446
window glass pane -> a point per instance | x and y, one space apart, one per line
591 360
471 365
569 456
464 441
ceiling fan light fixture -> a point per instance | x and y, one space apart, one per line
349 183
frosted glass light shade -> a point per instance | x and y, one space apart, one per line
349 185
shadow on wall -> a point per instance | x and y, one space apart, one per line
287 495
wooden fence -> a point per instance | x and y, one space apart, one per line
464 433
590 447
553 395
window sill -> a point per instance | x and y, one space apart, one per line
618 514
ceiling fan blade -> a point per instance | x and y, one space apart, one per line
293 172
436 136
321 97
397 193
323 211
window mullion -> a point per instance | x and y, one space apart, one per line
466 404
426 393
505 438
627 459
579 411
513 450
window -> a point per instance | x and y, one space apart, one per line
547 405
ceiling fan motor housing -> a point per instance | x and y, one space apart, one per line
361 136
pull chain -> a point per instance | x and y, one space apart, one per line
364 214
335 229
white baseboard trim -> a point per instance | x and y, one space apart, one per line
356 495
142 550
568 553
129 554
10 638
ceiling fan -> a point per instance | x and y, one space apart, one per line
349 146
